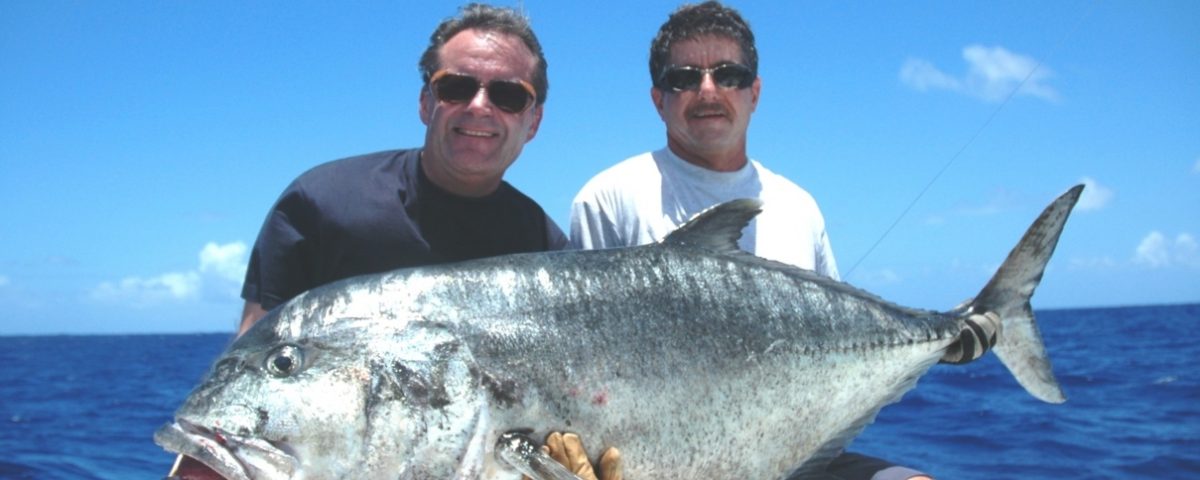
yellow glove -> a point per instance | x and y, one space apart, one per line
567 450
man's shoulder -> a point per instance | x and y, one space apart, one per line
636 163
349 172
621 177
781 187
369 162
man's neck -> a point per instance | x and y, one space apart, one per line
723 161
458 186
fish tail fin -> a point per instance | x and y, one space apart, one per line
1007 295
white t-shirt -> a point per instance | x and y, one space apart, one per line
646 197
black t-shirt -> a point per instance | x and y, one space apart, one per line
378 212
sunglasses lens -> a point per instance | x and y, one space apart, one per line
733 76
456 88
682 78
509 96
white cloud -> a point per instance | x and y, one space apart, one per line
227 261
1152 251
1157 251
4 281
993 73
143 292
1094 263
922 75
220 268
1095 196
1187 251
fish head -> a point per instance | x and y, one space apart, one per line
304 395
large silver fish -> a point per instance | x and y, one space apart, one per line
695 359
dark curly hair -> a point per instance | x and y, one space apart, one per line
690 21
491 19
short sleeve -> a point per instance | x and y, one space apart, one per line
280 267
825 264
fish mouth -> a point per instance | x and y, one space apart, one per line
233 457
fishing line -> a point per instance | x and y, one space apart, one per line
1070 33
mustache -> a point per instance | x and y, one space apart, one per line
707 108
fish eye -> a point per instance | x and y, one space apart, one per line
285 360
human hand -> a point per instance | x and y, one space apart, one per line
567 450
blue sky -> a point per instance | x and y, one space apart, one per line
142 142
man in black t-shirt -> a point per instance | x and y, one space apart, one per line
485 83
484 78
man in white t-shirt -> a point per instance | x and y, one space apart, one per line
705 90
704 67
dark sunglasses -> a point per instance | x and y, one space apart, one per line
507 95
683 78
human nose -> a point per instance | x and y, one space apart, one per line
708 86
480 101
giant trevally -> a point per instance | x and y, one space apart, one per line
695 359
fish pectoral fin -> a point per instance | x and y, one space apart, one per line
520 452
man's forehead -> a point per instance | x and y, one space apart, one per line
705 49
490 50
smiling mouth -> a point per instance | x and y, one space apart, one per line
707 113
474 133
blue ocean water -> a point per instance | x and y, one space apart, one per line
86 407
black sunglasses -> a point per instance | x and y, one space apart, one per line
507 95
681 78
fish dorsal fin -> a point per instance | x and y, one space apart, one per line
717 228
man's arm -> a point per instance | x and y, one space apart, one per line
824 263
250 314
593 226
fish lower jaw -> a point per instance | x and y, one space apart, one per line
232 456
193 441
